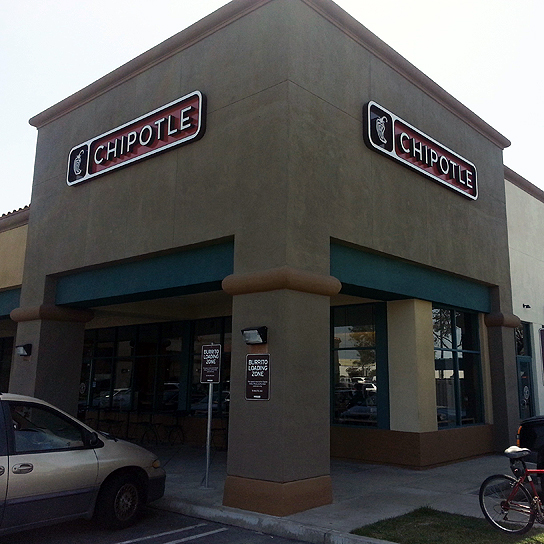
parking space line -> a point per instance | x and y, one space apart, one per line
194 537
158 535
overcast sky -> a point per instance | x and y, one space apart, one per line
486 53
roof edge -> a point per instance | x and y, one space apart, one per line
362 35
237 9
14 219
523 184
210 24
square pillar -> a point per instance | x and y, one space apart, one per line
412 388
52 372
279 449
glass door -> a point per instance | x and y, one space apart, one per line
524 363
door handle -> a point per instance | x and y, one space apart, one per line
23 468
2 470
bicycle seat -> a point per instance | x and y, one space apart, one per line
513 452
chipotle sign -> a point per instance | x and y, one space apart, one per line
174 124
389 134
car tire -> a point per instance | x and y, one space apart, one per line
119 501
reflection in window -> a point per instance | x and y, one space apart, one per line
152 367
354 365
38 429
6 350
523 340
457 368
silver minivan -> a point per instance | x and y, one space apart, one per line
53 468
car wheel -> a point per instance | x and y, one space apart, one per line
119 501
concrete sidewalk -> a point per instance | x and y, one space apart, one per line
362 494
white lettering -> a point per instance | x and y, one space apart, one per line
172 125
468 179
417 150
185 120
146 139
131 140
434 158
403 137
97 153
454 170
159 128
111 153
444 165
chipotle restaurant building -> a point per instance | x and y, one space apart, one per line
274 165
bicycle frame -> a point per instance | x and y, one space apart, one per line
512 504
524 475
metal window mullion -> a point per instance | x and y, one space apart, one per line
456 378
157 362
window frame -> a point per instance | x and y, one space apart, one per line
12 447
477 352
382 366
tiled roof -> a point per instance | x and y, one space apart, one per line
14 219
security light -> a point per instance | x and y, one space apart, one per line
24 351
255 335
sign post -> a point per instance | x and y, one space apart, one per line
209 373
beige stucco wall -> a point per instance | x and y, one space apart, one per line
525 236
412 389
12 256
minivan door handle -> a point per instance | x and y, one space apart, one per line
23 468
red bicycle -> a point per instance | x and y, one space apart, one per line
512 504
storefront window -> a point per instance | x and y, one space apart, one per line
457 368
152 367
355 399
6 351
523 340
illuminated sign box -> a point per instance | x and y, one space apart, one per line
176 123
389 134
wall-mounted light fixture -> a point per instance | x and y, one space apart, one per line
24 351
255 335
526 305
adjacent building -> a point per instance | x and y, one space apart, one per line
525 211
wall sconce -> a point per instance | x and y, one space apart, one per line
255 335
526 305
24 351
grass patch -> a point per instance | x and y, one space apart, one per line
429 526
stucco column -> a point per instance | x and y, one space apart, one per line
52 371
412 389
279 449
504 380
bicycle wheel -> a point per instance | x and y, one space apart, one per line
509 511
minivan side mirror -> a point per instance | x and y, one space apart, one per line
92 440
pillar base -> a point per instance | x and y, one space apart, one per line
275 498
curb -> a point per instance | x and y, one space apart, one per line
264 523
